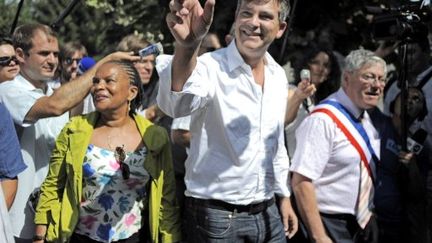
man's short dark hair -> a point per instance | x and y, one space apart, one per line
22 36
284 8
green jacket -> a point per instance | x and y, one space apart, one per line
61 192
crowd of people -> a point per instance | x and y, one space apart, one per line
212 143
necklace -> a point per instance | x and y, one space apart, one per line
109 142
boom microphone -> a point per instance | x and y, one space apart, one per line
57 23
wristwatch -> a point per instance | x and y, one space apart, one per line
38 237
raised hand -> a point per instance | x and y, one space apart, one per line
188 21
305 89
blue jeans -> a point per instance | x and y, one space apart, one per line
204 224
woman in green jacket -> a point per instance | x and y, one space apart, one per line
110 177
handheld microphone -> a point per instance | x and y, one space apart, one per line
153 49
415 143
305 74
85 64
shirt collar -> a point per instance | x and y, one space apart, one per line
28 85
235 60
343 98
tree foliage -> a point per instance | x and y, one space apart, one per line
100 24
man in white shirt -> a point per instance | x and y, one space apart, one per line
39 113
236 97
337 146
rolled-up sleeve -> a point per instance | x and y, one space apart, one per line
193 96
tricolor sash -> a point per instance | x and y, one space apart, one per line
353 130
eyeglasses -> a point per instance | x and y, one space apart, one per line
6 60
70 60
120 156
371 78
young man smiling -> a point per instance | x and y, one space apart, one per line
235 95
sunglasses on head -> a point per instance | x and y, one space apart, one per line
70 60
120 156
6 61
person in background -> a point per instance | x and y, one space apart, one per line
11 161
149 79
70 55
337 150
324 80
237 161
107 168
39 113
9 66
401 188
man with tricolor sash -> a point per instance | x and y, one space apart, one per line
337 150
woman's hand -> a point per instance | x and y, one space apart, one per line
305 89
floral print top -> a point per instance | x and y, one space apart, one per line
111 206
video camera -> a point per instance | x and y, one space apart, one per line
404 23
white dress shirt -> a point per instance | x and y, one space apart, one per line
325 155
37 141
237 151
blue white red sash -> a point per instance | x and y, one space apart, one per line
353 130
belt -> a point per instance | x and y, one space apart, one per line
221 205
342 216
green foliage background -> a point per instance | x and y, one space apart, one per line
98 24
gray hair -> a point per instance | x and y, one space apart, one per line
283 10
358 58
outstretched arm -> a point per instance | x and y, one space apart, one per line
188 23
71 93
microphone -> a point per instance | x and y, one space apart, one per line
305 74
153 49
85 64
415 143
